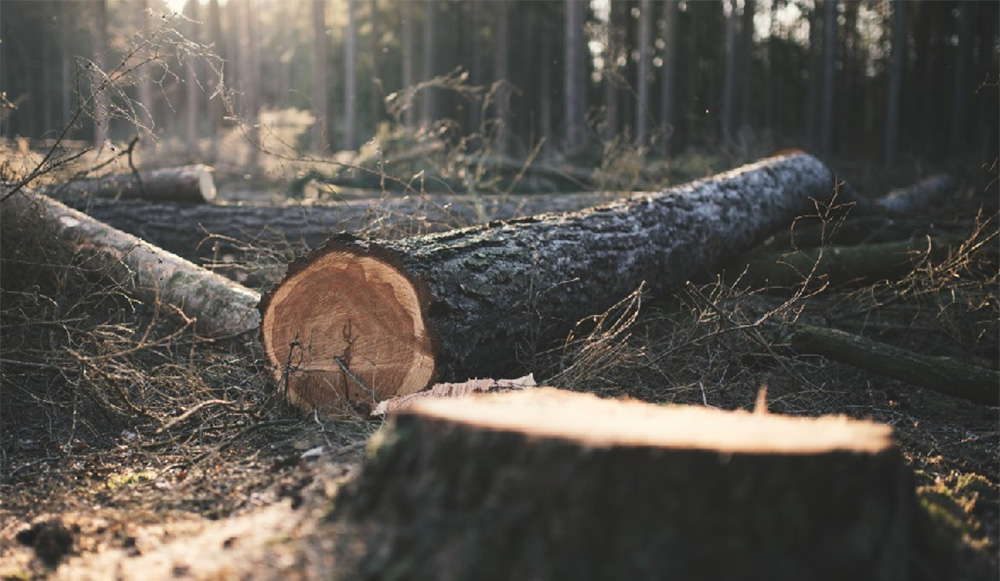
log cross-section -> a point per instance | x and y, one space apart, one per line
490 295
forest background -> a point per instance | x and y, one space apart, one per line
870 81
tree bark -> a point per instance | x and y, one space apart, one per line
548 484
221 307
916 196
896 60
574 83
644 77
667 90
860 264
200 232
475 302
941 374
319 105
350 77
190 184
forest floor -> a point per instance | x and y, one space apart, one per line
131 448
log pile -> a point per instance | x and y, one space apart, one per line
547 484
355 321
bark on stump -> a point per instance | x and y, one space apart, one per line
548 484
362 321
190 183
222 307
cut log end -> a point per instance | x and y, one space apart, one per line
347 327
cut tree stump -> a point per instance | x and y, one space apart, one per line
200 232
190 184
357 322
548 484
222 307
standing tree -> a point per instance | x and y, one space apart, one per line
429 107
191 81
746 58
729 84
100 36
963 67
669 72
145 81
895 80
249 76
215 80
319 99
829 68
501 71
350 77
644 77
575 71
409 50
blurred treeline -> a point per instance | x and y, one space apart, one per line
865 79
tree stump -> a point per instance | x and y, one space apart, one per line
361 321
548 484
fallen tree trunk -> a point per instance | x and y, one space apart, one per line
547 484
916 196
940 374
190 184
200 232
222 307
863 263
357 321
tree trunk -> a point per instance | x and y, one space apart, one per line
191 86
100 88
428 97
222 307
249 63
574 82
916 196
549 484
941 374
894 105
409 52
829 70
215 82
729 82
321 124
350 78
204 232
644 78
190 184
670 17
145 82
964 88
501 75
475 302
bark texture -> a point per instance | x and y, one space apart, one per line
200 232
222 307
190 183
492 295
941 374
547 484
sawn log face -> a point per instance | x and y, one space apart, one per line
500 291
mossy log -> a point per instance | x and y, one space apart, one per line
363 321
548 484
941 374
861 263
221 307
189 184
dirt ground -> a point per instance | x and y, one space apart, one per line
131 448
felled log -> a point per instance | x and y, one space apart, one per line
547 484
220 306
190 184
863 263
916 196
941 374
199 232
362 321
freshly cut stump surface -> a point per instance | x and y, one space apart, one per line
547 484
